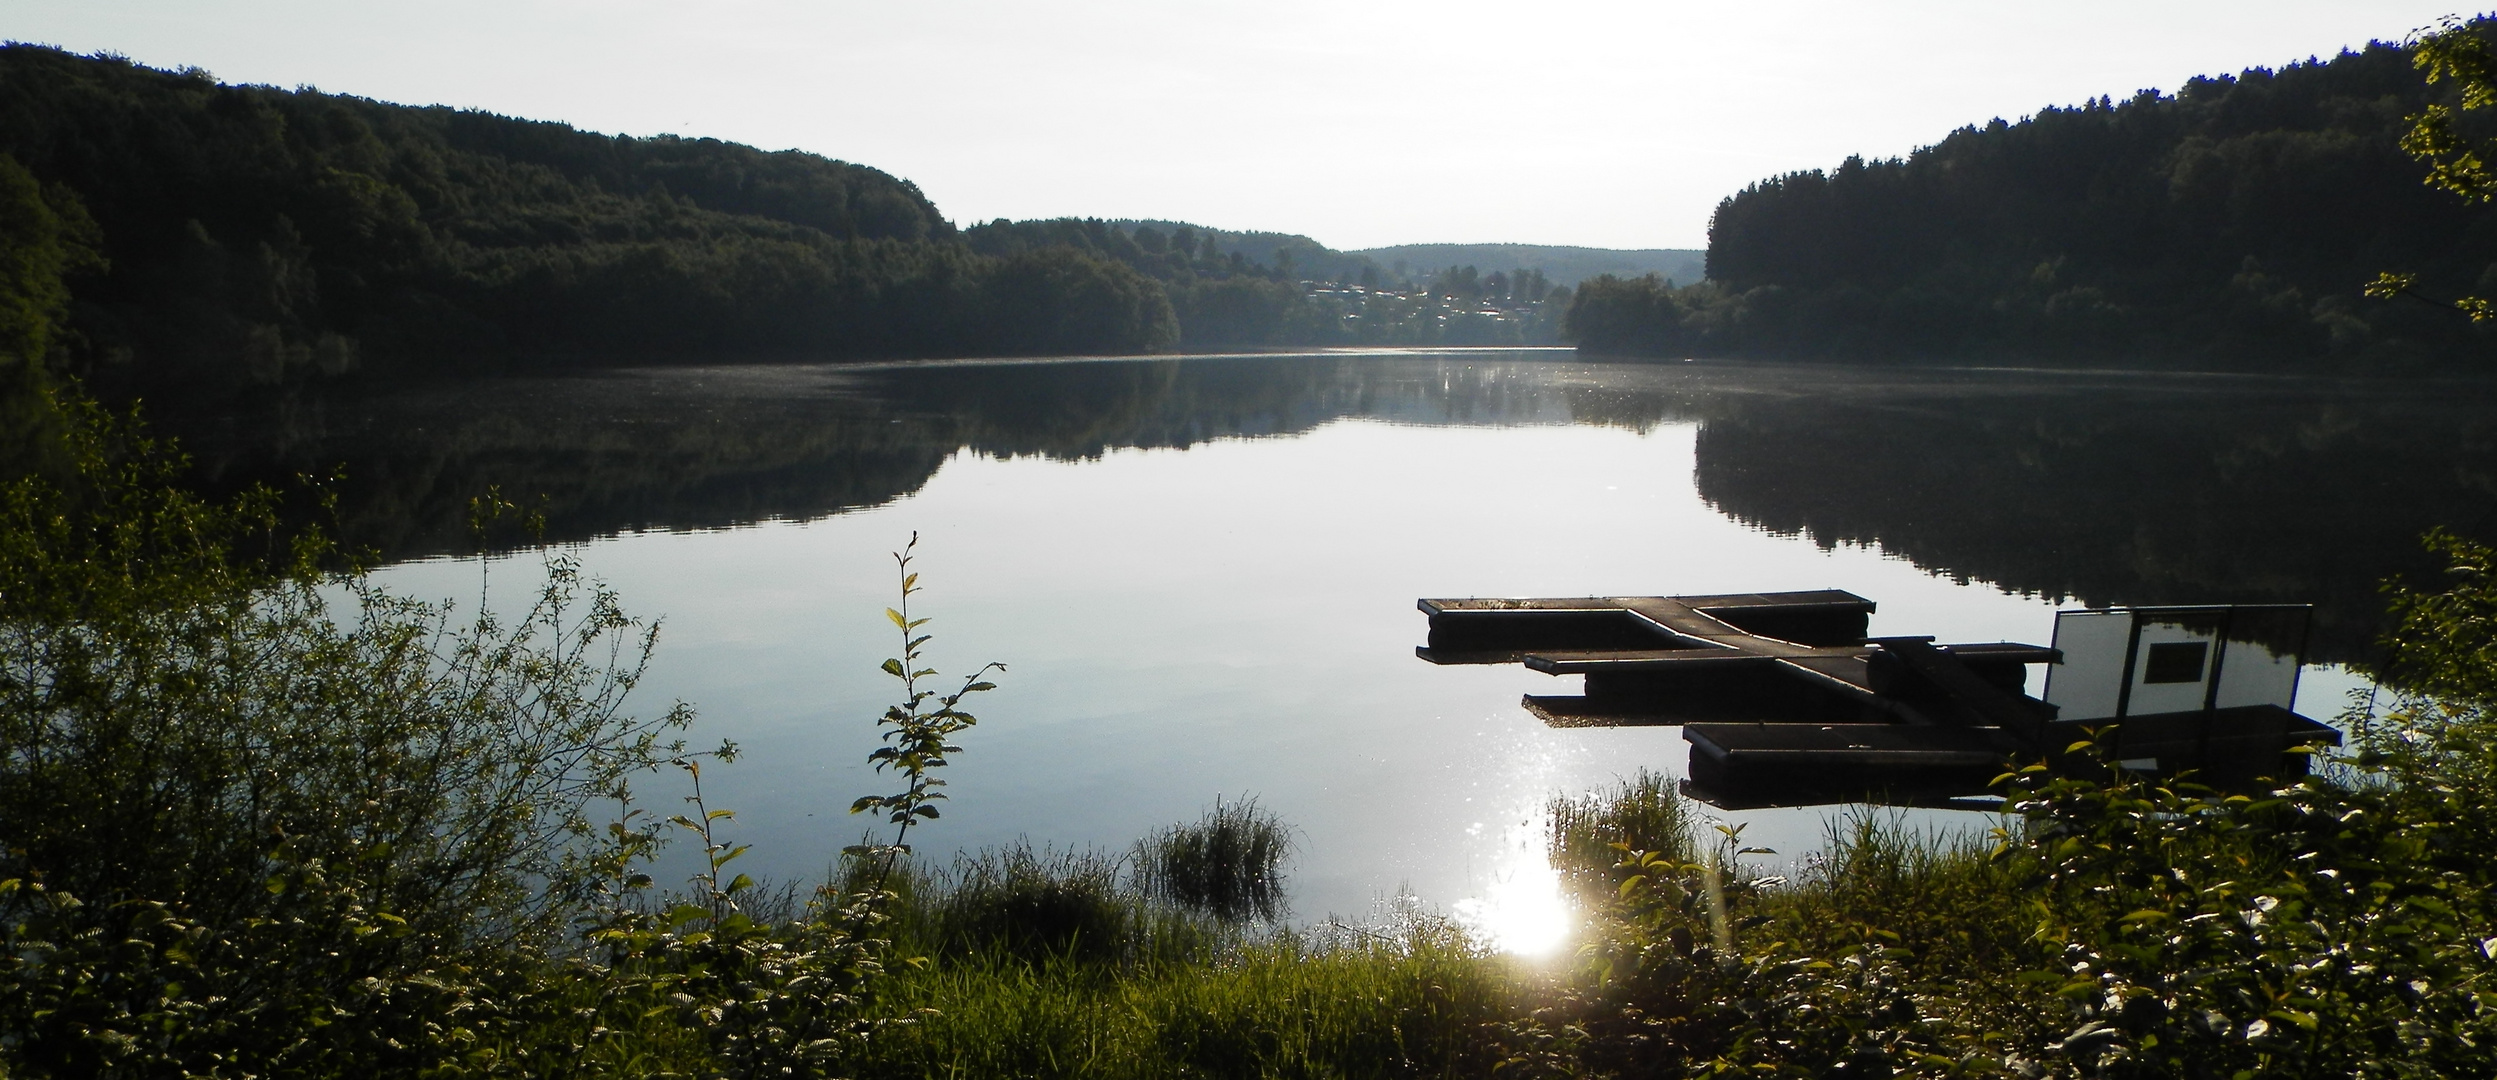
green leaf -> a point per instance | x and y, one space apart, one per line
897 618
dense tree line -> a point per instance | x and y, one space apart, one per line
1299 255
248 236
1221 297
2234 223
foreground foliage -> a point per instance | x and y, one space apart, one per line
258 812
1424 1002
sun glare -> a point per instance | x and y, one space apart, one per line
1523 912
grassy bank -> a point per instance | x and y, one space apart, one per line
1427 1004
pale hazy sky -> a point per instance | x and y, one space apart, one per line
1611 124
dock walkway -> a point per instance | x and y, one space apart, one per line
1784 698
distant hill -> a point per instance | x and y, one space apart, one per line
1563 265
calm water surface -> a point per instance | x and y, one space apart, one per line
1202 572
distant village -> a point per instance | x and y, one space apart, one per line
1458 306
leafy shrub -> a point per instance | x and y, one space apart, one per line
295 803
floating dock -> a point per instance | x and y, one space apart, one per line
1786 701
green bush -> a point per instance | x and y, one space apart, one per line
251 811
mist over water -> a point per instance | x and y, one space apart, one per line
1202 571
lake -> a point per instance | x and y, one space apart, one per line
1201 571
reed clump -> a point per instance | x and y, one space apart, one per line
1183 893
1938 894
1033 904
1227 864
1643 813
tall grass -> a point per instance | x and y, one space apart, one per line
1646 813
1425 1003
1228 864
1034 904
1894 950
1037 902
1046 963
1937 894
1049 904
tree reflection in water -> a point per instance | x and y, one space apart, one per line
2101 487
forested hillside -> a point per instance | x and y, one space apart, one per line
252 237
1222 299
2233 223
1292 253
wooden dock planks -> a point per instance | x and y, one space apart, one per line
1785 701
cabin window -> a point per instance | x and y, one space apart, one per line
2175 662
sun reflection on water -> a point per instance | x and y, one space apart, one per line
1521 906
1522 912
